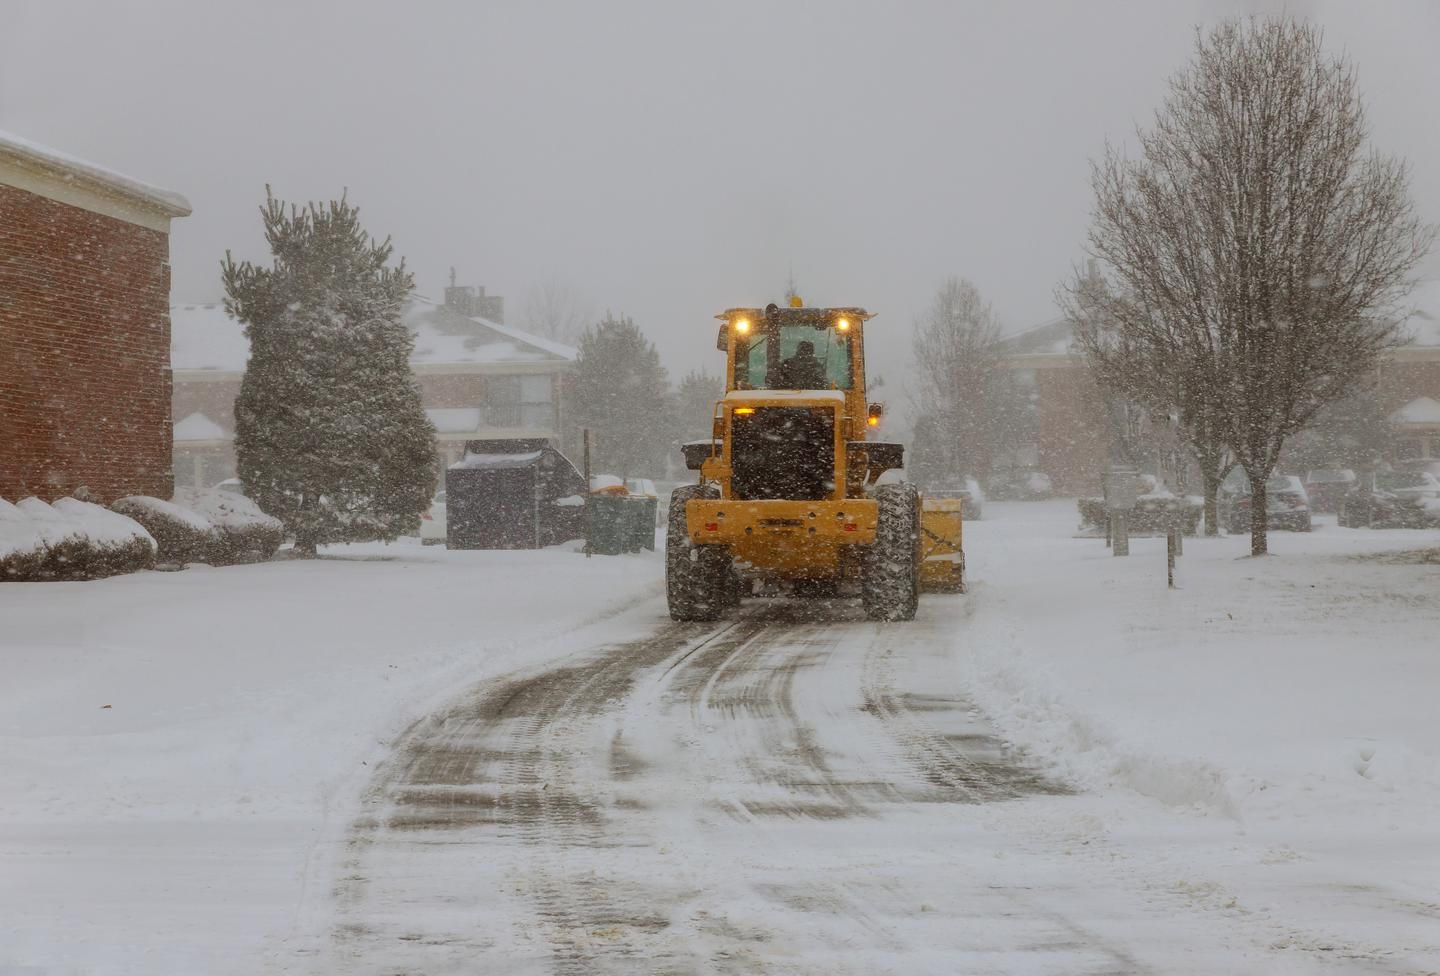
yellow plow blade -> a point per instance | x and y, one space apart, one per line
942 566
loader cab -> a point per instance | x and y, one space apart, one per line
797 348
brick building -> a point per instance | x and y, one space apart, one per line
478 377
84 327
1068 436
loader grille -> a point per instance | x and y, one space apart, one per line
783 452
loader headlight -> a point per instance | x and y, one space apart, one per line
843 325
742 326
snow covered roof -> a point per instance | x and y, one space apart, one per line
205 337
1051 338
198 427
493 461
1422 410
1056 337
443 335
32 155
454 420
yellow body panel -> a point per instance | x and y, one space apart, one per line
785 538
942 564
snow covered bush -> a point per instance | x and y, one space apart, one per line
182 535
244 534
69 540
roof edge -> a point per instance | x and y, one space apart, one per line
69 168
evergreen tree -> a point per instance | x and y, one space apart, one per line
695 404
623 395
330 435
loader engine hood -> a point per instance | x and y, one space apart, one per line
784 444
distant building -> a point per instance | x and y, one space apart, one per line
479 379
1068 434
84 327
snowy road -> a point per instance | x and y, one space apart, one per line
792 791
587 787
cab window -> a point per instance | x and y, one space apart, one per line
774 357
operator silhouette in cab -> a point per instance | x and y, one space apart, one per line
801 371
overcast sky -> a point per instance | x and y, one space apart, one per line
666 160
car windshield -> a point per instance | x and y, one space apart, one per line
780 359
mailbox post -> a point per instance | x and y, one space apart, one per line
1122 486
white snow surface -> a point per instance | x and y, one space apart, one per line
171 832
166 200
31 523
1255 756
223 508
204 337
198 427
454 420
175 513
1421 410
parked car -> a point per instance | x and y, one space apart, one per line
1287 506
432 522
1393 500
971 496
1327 488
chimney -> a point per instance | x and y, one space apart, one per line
472 302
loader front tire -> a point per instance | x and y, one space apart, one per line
699 582
890 572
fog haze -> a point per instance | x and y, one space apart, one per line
663 160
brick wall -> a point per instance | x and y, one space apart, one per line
1073 440
84 352
1408 379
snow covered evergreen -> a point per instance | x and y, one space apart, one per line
330 435
622 393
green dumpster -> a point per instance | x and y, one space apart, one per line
610 531
643 511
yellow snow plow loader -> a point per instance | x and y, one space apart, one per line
797 491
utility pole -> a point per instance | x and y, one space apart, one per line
587 513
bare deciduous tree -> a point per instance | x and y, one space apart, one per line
555 309
961 407
1135 359
1255 255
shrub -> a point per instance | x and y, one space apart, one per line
244 533
182 535
69 540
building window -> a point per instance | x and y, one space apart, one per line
520 401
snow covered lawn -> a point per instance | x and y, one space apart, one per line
1277 717
173 745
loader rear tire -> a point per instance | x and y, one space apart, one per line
890 573
699 580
